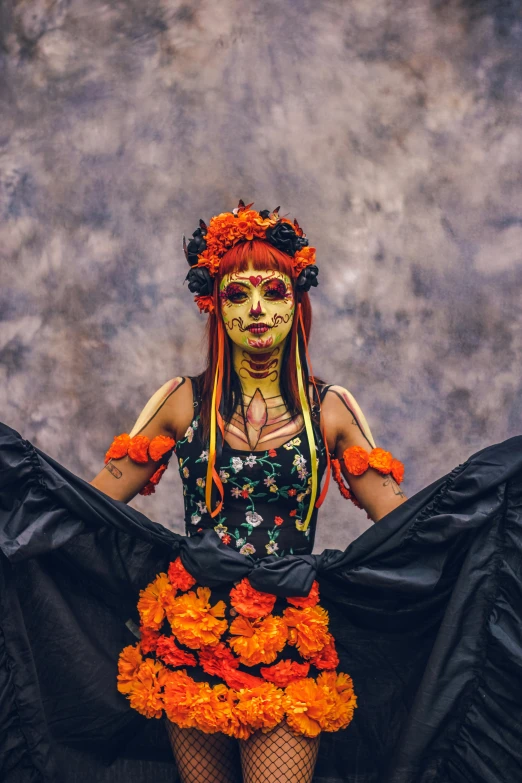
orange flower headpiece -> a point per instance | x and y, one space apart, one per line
210 243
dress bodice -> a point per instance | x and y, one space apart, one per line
266 493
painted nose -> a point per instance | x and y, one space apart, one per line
255 312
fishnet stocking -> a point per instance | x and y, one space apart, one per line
278 757
204 758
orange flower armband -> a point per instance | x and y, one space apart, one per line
357 461
139 449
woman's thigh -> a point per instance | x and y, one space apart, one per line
204 758
278 757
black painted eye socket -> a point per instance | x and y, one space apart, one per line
236 297
275 290
234 293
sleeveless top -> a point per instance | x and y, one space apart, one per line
265 492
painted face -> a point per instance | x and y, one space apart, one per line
257 308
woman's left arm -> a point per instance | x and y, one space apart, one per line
346 426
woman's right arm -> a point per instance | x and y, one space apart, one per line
168 412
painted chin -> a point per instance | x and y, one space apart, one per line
260 342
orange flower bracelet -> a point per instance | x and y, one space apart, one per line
357 460
139 449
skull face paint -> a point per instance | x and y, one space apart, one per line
257 308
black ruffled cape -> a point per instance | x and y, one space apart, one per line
425 607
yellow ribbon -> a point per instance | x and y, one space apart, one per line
211 445
305 407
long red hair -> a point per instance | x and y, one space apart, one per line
264 256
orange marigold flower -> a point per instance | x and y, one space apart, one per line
150 488
305 707
250 602
118 447
340 699
338 478
194 621
180 692
292 637
311 625
215 660
155 478
326 658
356 460
272 453
129 662
278 520
214 710
237 680
260 707
397 470
304 258
284 672
148 639
308 600
203 712
169 652
179 576
224 704
145 695
381 460
257 641
153 601
159 446
205 303
138 448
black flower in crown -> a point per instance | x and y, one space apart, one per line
200 281
284 237
308 278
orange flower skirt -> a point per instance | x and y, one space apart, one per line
234 666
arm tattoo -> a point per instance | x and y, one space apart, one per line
116 472
396 489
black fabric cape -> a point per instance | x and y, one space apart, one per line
425 607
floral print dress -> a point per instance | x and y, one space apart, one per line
266 493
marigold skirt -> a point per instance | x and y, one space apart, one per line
234 661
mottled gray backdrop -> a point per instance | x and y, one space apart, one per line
390 129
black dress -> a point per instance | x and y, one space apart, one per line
266 493
236 660
424 607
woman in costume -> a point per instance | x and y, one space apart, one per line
412 675
247 681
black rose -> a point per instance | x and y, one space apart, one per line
283 236
200 281
196 246
307 278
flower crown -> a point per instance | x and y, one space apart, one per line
210 243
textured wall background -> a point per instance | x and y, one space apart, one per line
391 130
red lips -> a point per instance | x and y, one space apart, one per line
258 328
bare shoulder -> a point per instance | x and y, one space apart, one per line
337 401
342 415
171 404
